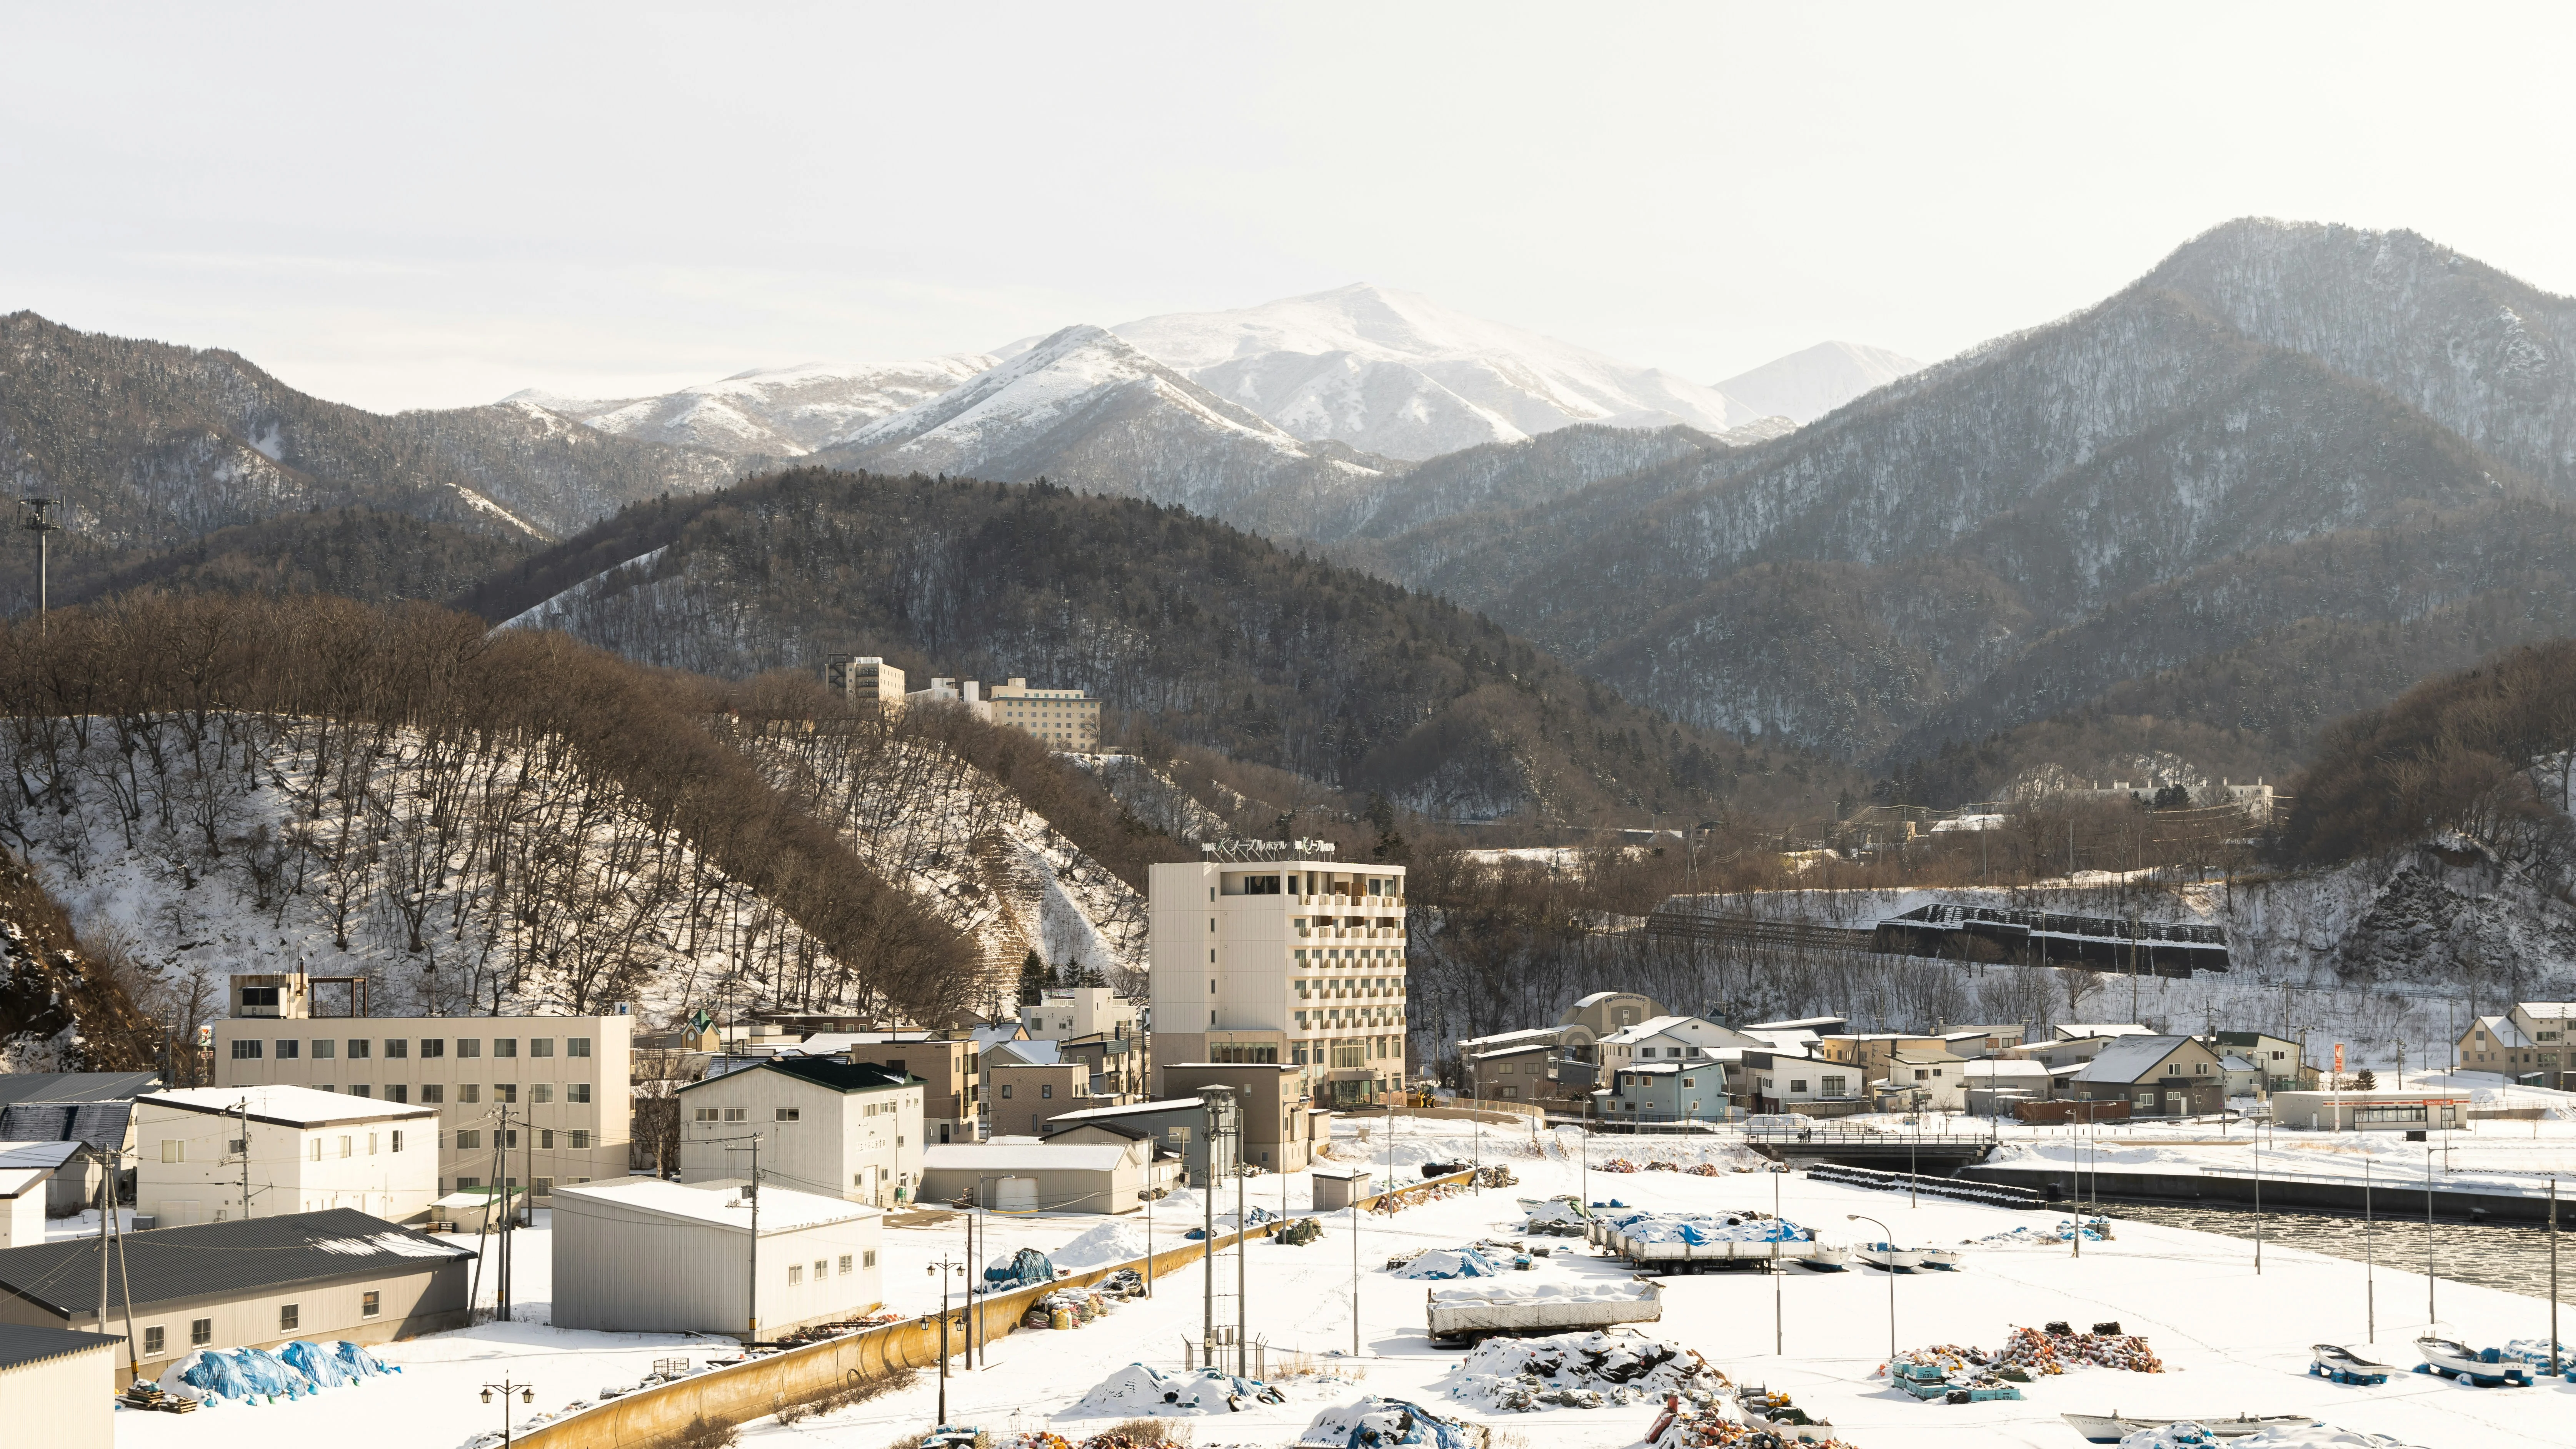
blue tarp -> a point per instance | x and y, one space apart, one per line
1380 1423
316 1363
255 1376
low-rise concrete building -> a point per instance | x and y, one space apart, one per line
1924 1080
295 1149
60 1386
2382 1109
950 1066
1020 1097
1045 1177
246 1283
1280 1127
645 1256
848 1129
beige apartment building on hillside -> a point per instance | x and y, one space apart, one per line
563 1080
864 677
1268 952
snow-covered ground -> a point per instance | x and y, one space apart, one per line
2230 1341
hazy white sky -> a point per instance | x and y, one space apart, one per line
441 206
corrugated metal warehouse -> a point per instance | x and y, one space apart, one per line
817 1257
60 1387
249 1283
1047 1177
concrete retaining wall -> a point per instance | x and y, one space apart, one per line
740 1392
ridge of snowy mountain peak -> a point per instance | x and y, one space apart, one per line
1397 374
782 412
1807 384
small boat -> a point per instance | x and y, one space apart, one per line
1828 1258
2113 1427
2453 1359
2342 1365
1945 1259
1891 1257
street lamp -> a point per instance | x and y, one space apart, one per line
36 515
527 1395
1778 1170
940 1270
1890 1240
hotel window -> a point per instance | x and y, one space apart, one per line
546 1138
505 1046
467 1137
467 1046
576 1046
359 1047
540 1092
541 1046
397 1047
432 1093
576 1091
507 1092
286 1049
398 1092
433 1046
469 1092
324 1049
580 1139
245 1050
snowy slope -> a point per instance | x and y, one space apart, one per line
783 412
1396 374
1805 386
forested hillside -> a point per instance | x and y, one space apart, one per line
150 446
1212 636
357 553
2269 483
477 823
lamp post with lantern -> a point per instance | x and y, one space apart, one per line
527 1395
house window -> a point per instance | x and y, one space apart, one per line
795 1274
317 1146
791 1114
173 1150
1796 1084
1046 1089
370 1303
737 1114
360 1090
580 1139
290 1316
1834 1086
868 1259
845 1262
348 1147
822 1269
245 1050
576 1046
1006 1091
201 1331
398 1142
705 1114
152 1341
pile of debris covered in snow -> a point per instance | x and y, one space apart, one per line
1138 1391
1582 1371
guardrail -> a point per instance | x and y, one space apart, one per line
739 1393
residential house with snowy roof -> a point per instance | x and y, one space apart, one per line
2168 1076
848 1129
2529 1044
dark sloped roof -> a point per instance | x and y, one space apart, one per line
215 1260
830 1072
23 1344
100 1124
76 1086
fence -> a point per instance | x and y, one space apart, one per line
741 1392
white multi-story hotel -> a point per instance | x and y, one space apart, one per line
1272 952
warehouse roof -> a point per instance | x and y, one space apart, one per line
220 1260
26 1165
719 1204
831 1072
99 1124
23 1344
1132 1109
75 1086
1023 1157
283 1106
2130 1058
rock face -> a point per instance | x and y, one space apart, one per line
59 1010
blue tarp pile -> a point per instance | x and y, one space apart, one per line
1449 1263
1026 1268
1225 1222
1380 1423
257 1376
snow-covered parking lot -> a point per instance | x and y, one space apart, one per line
2230 1341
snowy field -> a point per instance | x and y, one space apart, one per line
2231 1341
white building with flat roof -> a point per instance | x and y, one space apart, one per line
294 1149
565 1083
1290 958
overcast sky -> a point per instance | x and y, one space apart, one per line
440 207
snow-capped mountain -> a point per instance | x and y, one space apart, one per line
784 412
1085 408
1804 386
1398 375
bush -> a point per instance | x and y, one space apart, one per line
703 1435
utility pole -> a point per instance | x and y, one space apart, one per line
2369 1259
36 515
241 1110
751 1289
2553 1275
2429 1316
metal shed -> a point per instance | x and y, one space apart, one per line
646 1256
